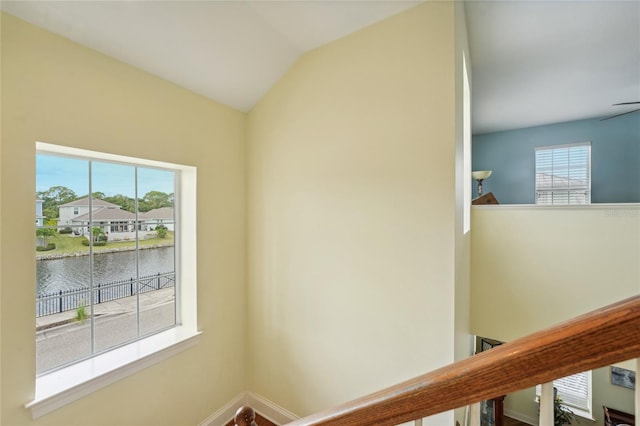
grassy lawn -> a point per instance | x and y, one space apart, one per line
70 244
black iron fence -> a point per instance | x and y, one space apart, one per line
66 300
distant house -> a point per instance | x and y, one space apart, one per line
39 215
116 223
161 216
69 211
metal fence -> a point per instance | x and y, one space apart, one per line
66 300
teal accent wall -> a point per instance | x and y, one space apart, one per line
615 158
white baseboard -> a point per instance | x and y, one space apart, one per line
521 417
226 412
270 410
266 408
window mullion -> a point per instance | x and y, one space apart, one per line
91 283
137 255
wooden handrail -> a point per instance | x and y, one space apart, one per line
602 337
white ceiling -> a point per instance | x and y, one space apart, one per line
540 62
534 62
229 51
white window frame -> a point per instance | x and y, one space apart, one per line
466 146
565 186
562 384
65 385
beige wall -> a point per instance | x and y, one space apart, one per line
463 342
532 267
462 336
58 92
0 220
352 214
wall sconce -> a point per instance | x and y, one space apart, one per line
480 176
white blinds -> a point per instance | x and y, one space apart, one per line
563 174
575 390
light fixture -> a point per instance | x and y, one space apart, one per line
480 176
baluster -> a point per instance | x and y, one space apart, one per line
474 414
245 416
498 410
637 393
546 404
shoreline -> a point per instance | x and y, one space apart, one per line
55 256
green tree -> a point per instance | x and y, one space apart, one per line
155 200
51 223
98 234
44 233
54 197
161 230
127 203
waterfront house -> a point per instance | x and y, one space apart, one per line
116 223
74 209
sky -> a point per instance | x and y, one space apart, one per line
110 178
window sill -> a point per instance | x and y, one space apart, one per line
61 387
583 414
588 415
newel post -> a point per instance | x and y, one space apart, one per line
245 416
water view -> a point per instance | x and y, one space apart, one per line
74 272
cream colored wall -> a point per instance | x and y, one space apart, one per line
58 92
462 337
532 267
352 215
463 341
0 218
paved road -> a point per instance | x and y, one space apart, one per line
115 324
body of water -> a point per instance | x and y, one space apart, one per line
75 272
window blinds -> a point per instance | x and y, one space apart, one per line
575 390
563 174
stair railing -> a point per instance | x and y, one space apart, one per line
605 336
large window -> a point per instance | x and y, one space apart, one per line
563 174
116 269
101 280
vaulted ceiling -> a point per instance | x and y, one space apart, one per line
534 62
